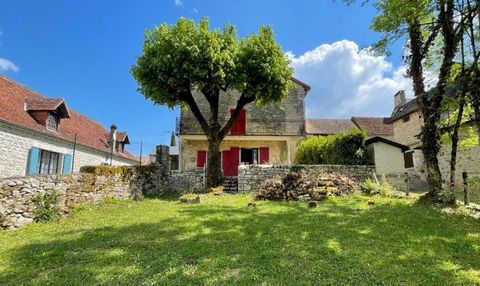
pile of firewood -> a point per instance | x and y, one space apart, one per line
296 186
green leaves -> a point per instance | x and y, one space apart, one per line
344 148
177 58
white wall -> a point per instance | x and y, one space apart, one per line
15 144
388 159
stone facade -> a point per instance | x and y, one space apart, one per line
16 142
280 127
278 149
406 132
251 177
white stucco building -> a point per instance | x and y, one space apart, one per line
40 135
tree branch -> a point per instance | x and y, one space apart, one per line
242 101
188 98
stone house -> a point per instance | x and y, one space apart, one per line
262 134
41 135
407 122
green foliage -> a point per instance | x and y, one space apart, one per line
382 188
173 141
344 148
182 56
46 207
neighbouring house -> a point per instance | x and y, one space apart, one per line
41 135
407 123
373 126
261 135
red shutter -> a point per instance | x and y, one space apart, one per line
231 160
264 154
201 158
239 127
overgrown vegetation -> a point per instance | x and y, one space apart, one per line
344 148
221 241
382 188
46 207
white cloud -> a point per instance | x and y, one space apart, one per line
6 65
178 2
347 81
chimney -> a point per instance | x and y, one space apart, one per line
113 135
399 98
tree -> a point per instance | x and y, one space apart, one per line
173 141
182 58
422 22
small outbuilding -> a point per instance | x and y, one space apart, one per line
387 155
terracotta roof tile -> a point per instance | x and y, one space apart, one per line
374 125
13 97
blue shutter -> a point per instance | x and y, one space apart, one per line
32 166
67 164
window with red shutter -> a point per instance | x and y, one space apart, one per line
239 127
201 158
264 154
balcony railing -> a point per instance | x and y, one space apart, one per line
189 125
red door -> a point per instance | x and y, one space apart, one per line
231 160
239 127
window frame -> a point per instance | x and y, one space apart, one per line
49 162
52 117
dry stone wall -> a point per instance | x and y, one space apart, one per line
251 176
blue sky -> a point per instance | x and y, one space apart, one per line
83 50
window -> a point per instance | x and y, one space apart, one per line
249 156
408 158
238 127
406 118
52 122
48 162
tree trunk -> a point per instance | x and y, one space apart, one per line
453 155
214 167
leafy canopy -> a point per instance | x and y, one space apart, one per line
184 56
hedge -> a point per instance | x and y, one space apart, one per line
344 148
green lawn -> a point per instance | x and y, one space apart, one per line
222 242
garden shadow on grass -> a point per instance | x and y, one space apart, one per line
284 244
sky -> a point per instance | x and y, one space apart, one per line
83 51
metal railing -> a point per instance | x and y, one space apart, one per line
189 125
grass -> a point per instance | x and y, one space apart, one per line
222 242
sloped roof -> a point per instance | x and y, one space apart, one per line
374 125
404 109
14 96
327 126
306 86
387 141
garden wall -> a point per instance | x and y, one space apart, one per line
251 176
17 194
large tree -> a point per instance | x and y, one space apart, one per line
184 58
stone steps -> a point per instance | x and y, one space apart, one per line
230 184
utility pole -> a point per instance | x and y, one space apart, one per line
141 145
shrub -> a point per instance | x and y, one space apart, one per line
369 187
47 208
344 148
382 188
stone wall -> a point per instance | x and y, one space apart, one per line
406 132
17 194
191 181
250 177
16 142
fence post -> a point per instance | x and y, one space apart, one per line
465 188
407 191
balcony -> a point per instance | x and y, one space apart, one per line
190 126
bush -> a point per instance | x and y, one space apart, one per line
371 187
344 148
47 208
